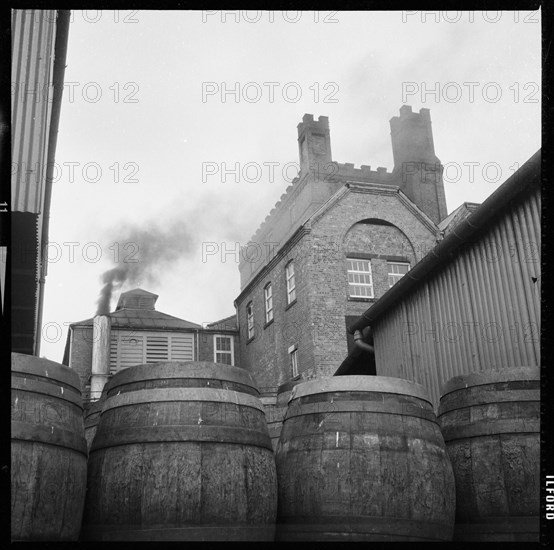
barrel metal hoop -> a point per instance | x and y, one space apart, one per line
394 527
181 369
502 396
498 529
181 433
326 407
51 435
201 532
46 388
486 378
169 383
477 429
23 365
182 394
358 383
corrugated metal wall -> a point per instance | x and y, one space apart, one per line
33 37
480 310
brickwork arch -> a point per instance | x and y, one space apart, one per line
380 237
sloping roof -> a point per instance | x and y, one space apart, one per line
137 299
228 323
144 319
457 216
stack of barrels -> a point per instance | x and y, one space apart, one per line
490 422
181 452
48 451
275 408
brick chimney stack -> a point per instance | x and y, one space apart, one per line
314 145
417 169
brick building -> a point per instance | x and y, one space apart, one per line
474 302
337 240
137 333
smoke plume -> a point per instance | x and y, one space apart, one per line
141 252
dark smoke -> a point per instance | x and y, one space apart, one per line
142 252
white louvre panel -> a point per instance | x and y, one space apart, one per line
113 352
156 349
131 349
136 347
182 347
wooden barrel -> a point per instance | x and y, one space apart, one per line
275 406
92 417
362 458
48 451
181 452
490 423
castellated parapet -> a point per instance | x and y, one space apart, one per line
320 178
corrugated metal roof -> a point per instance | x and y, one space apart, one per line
34 33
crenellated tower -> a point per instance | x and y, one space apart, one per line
314 145
417 170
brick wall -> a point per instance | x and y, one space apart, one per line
206 345
266 355
80 358
410 235
316 322
380 244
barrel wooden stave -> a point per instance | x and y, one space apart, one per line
172 463
48 451
181 485
275 409
92 418
363 474
491 429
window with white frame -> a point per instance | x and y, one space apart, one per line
397 270
250 319
360 281
268 296
291 285
224 349
293 352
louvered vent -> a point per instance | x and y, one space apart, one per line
129 348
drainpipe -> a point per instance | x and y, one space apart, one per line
358 340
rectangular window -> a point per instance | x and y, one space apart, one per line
224 349
397 270
268 293
250 319
291 285
293 352
360 282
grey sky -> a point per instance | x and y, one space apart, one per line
151 129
